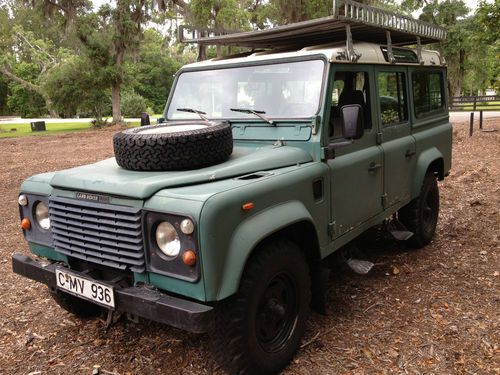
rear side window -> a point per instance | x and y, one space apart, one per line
428 92
392 97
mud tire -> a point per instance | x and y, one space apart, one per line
140 150
420 216
259 329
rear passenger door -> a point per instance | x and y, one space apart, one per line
397 142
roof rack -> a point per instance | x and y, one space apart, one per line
350 21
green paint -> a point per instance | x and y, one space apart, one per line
353 197
47 252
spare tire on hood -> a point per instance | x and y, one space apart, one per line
173 146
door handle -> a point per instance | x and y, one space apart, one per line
409 153
373 167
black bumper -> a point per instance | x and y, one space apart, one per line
146 303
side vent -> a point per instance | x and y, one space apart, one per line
318 189
254 176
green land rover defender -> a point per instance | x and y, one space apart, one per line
218 218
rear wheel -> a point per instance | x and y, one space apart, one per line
259 329
420 216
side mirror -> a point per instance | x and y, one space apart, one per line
352 121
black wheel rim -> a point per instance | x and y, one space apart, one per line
430 210
277 313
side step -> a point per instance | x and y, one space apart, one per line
397 230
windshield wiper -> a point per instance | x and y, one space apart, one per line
191 110
254 112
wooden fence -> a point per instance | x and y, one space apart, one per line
474 104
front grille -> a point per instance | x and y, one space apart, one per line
99 233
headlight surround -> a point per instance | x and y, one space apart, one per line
166 244
41 213
167 239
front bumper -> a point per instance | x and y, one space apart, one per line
140 301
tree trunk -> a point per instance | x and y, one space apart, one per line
461 71
32 87
116 87
115 102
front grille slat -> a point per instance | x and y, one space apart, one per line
97 213
92 233
97 220
98 254
101 233
115 249
99 228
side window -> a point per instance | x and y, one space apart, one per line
428 92
392 97
349 88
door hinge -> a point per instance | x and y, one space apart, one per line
379 138
331 229
384 200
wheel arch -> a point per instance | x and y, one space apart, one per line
430 160
289 220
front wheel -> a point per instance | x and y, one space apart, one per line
420 216
258 330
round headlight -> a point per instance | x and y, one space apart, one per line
42 215
187 226
167 239
22 200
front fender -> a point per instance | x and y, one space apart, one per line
250 233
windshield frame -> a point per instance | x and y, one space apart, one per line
263 62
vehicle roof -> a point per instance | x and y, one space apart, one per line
371 53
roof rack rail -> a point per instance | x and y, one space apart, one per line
350 21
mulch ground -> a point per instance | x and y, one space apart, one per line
429 311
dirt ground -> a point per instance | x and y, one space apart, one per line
431 311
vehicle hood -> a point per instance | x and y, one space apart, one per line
108 178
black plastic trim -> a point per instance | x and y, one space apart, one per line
140 301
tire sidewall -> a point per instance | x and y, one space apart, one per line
208 127
295 266
176 150
430 187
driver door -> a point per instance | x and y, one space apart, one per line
356 171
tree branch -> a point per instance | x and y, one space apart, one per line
26 84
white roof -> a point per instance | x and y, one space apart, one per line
371 53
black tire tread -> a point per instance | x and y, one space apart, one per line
411 214
173 151
229 341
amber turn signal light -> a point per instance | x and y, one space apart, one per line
247 206
189 258
25 223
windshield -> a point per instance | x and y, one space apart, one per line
280 90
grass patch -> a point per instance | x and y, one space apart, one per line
22 129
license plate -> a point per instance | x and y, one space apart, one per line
85 288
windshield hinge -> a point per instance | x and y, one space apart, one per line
316 121
379 138
279 143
